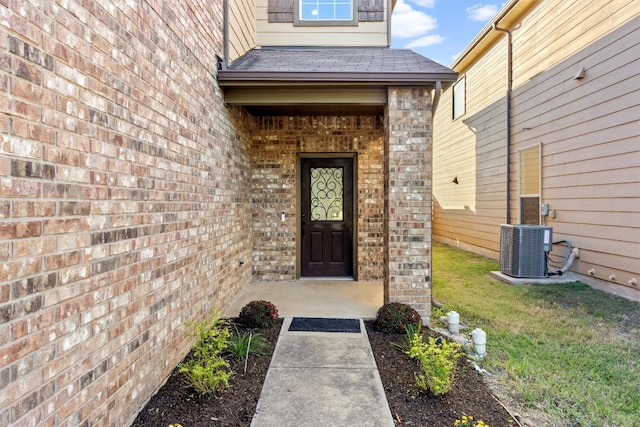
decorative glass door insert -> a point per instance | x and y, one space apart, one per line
326 217
327 194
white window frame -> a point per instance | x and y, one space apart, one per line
522 194
459 98
298 21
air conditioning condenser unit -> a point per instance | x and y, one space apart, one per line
524 249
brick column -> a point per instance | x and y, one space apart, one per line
407 211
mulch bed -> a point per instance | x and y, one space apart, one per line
176 403
410 406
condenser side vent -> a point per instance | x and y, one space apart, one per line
523 250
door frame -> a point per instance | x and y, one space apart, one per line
354 226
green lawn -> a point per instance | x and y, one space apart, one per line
569 351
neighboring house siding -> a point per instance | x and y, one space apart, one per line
124 203
588 130
276 142
286 34
555 30
474 153
241 27
590 135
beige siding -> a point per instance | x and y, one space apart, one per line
590 134
556 29
286 34
241 28
472 148
588 128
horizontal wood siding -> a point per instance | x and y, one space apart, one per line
473 149
590 134
556 29
286 34
588 128
242 28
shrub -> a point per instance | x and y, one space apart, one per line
437 360
205 370
395 318
258 314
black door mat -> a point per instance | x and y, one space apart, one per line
319 324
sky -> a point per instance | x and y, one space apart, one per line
439 29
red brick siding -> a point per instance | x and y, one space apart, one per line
276 140
124 202
408 171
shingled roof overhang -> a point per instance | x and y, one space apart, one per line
230 79
325 80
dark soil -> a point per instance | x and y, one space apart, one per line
411 406
176 403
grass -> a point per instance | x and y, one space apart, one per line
566 350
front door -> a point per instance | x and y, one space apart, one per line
326 217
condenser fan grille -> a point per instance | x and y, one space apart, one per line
522 250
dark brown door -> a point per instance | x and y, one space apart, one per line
326 217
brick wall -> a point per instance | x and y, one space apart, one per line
124 201
407 215
276 140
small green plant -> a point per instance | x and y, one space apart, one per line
467 421
242 344
437 313
258 314
437 359
409 331
206 370
394 318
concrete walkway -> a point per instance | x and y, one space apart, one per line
314 298
322 379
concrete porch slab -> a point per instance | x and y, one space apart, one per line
505 278
570 277
314 298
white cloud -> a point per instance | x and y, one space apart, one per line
425 3
482 12
425 41
407 22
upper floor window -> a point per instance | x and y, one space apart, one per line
325 12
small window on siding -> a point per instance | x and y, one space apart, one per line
529 172
459 98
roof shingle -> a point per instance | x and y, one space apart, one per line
333 64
